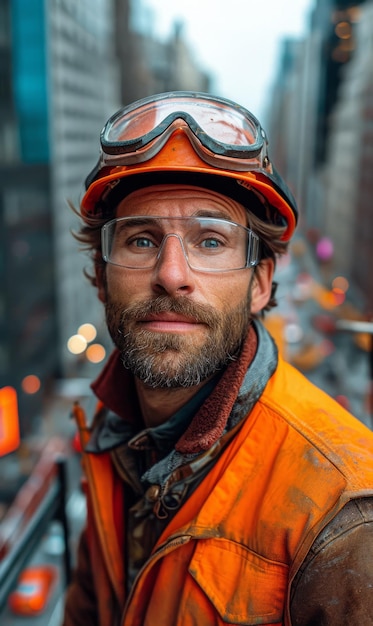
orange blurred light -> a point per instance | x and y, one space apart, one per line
343 30
339 296
77 344
364 341
88 331
9 423
340 282
31 384
95 353
326 299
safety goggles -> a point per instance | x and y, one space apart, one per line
208 244
223 134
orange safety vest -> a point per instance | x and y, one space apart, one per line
230 553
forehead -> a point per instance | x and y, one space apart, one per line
180 201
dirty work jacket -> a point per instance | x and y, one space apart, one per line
231 552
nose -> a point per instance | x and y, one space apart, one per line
172 274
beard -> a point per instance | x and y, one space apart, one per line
169 360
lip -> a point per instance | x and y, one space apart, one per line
170 322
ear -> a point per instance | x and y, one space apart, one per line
262 285
101 282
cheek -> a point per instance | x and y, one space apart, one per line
126 287
229 292
116 284
224 292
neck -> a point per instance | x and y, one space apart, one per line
157 405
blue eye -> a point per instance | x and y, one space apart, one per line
143 242
211 243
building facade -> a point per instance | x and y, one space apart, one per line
323 96
65 67
149 65
349 164
57 88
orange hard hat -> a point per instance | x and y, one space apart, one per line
194 139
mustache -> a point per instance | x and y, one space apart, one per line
203 314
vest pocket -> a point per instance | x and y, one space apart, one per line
244 587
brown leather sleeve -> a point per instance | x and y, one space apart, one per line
335 583
80 602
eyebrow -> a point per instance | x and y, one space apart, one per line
220 215
123 224
137 221
144 220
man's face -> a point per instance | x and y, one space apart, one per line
175 326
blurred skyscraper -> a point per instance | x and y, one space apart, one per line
65 67
58 82
322 101
148 65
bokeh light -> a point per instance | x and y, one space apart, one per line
88 331
324 249
77 344
293 332
31 384
343 30
363 341
340 282
339 296
96 353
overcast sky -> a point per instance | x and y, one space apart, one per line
237 41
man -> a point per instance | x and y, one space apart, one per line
223 488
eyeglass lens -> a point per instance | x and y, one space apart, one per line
208 244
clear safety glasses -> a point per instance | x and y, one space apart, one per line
208 244
223 133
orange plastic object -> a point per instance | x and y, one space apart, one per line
9 423
34 589
76 445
